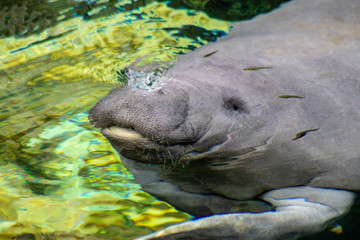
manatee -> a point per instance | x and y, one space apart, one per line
257 134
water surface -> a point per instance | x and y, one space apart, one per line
59 177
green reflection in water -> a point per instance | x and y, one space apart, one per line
59 177
65 177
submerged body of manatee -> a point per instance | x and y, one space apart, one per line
60 178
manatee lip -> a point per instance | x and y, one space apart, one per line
134 145
129 138
131 144
124 134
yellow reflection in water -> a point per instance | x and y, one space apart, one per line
59 177
78 187
96 49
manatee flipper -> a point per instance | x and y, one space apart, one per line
299 211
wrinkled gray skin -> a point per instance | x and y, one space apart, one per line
223 143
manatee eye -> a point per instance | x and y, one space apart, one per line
235 107
234 104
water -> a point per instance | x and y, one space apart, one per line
60 178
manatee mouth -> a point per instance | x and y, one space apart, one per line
133 145
125 134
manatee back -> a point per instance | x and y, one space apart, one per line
310 51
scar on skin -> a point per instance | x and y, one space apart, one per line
304 133
209 54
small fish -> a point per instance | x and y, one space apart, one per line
290 96
209 54
303 133
256 68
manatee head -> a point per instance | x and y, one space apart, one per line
181 120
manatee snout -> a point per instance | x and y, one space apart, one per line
159 115
149 123
177 119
